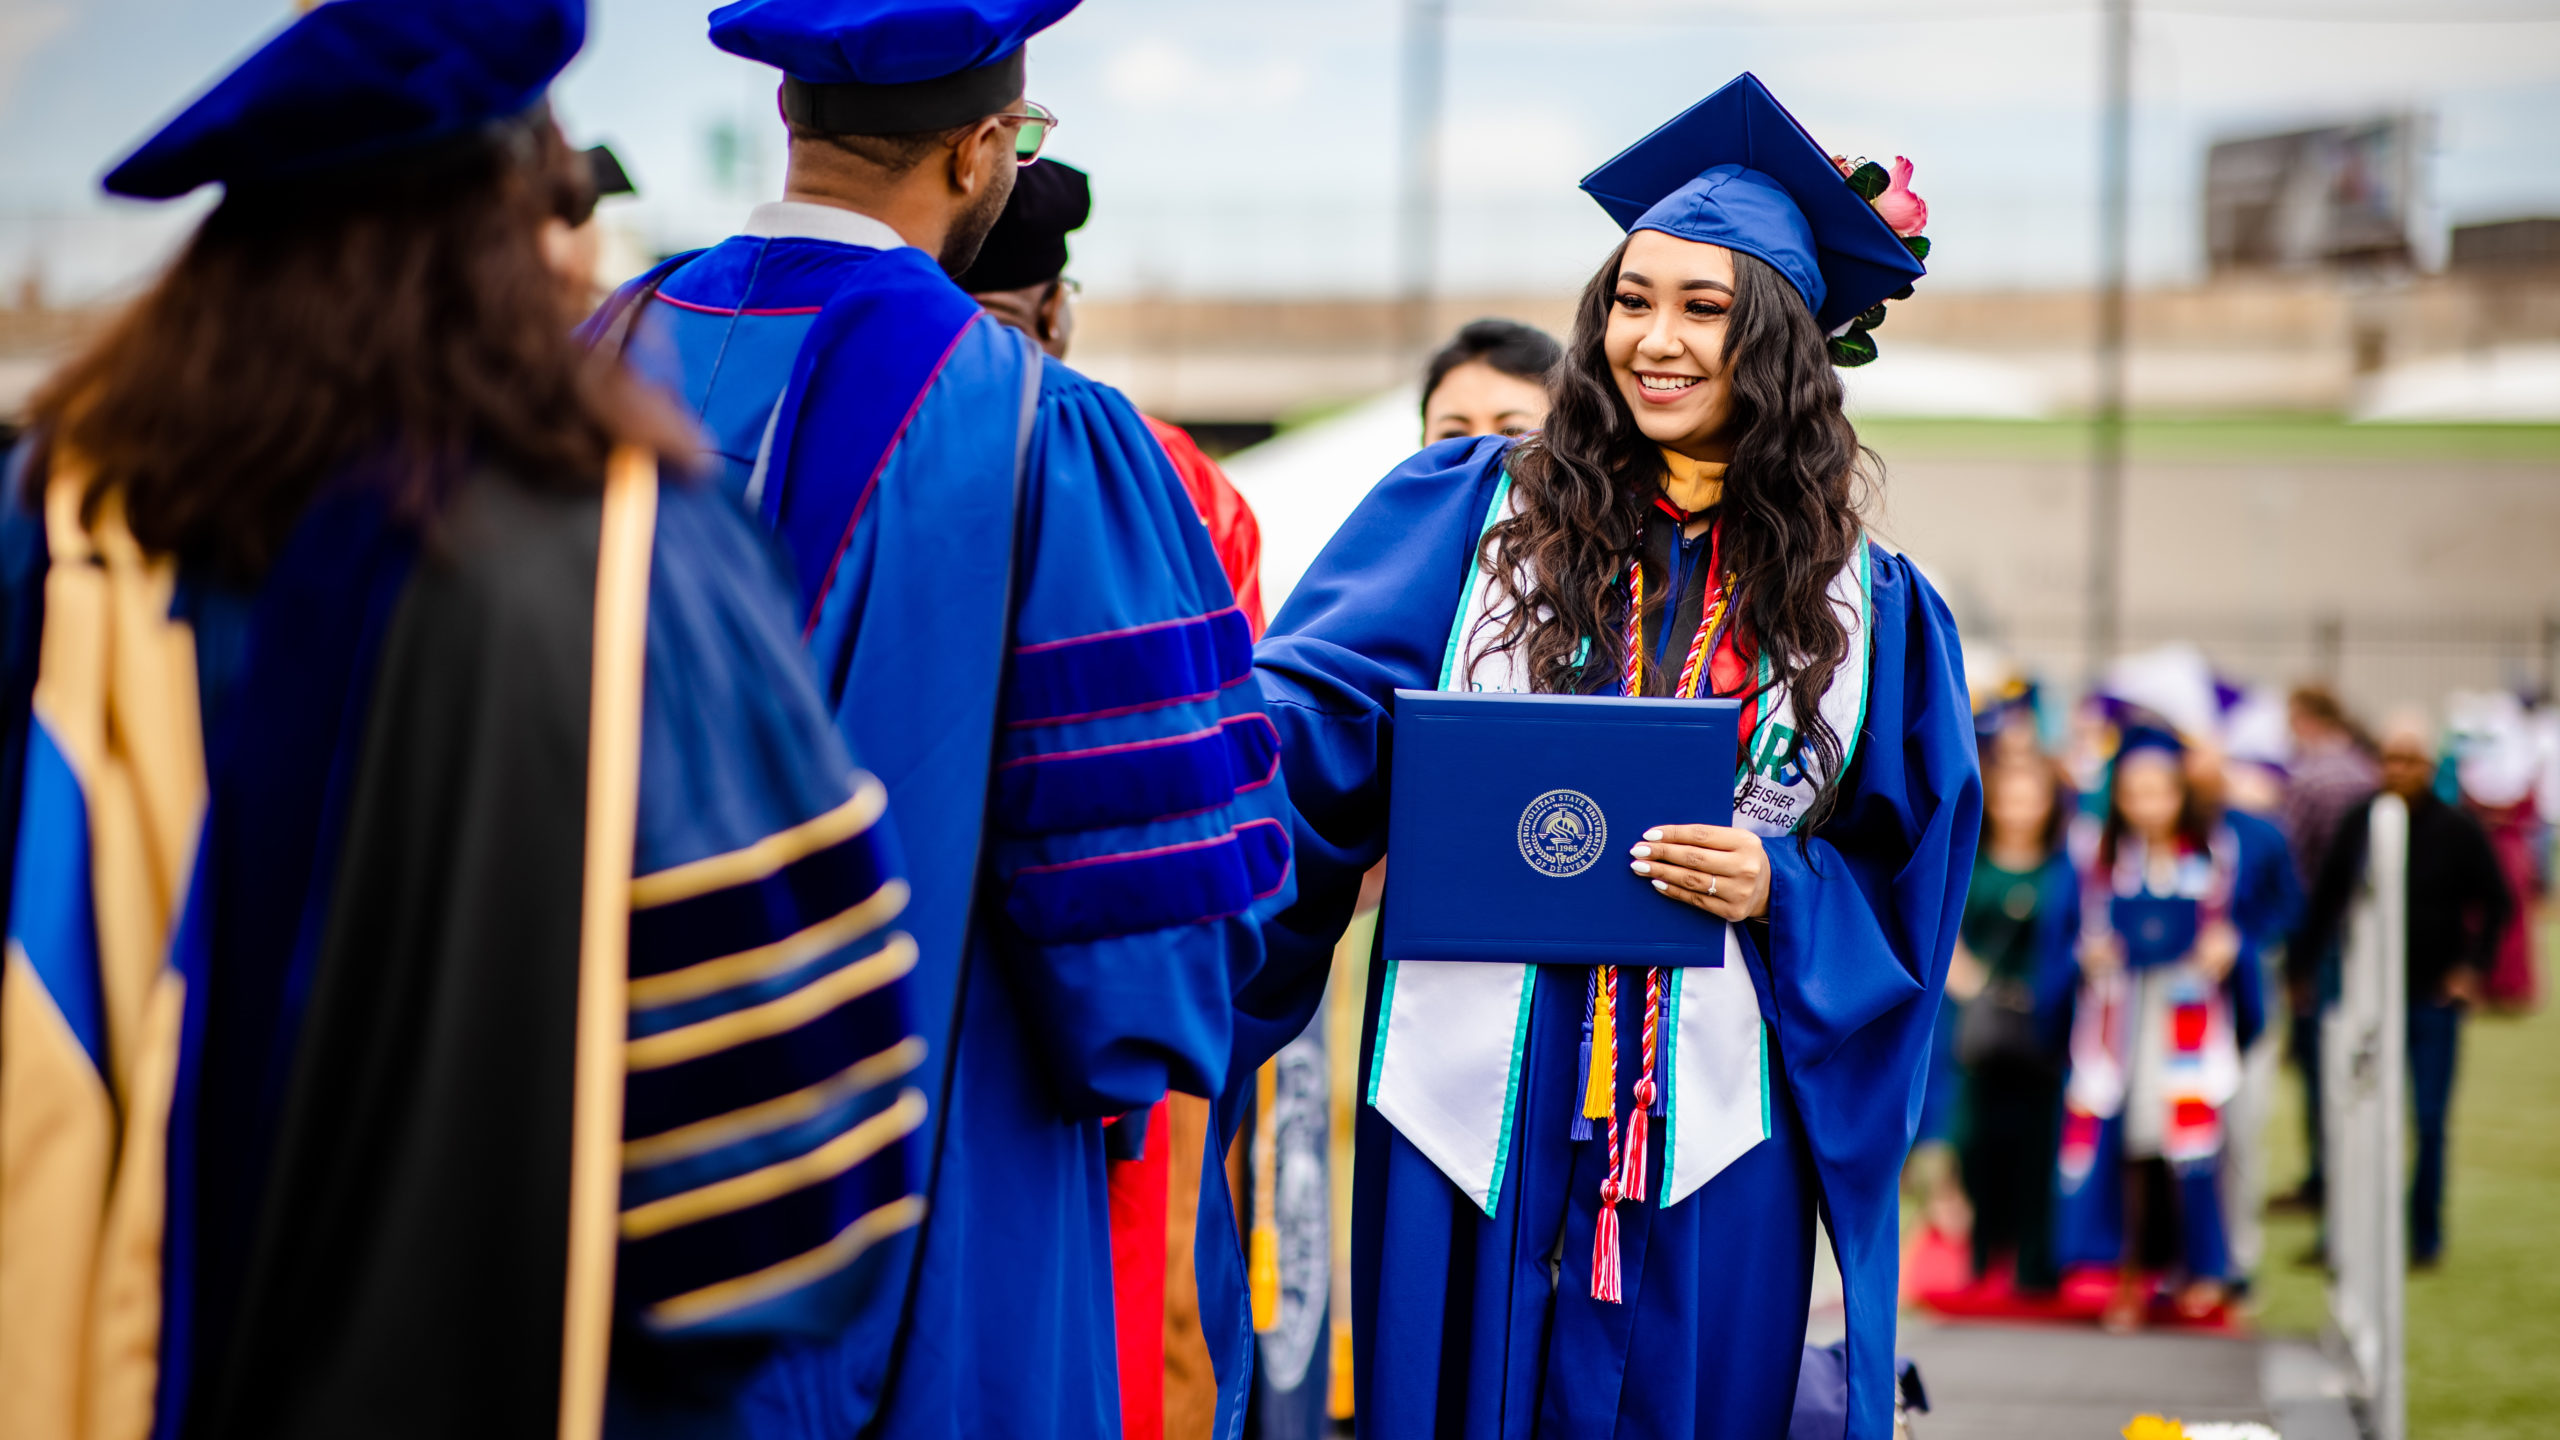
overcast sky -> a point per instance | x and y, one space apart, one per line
1251 147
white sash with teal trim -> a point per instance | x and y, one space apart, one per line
1452 1036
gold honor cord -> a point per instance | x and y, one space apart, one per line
625 534
1262 1273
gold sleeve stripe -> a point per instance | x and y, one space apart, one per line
721 1197
709 977
783 1012
755 862
729 1296
702 1136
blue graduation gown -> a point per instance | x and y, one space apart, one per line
1127 770
2266 903
1459 1329
367 1146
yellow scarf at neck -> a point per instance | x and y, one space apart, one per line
1693 485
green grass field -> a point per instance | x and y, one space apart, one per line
2484 1329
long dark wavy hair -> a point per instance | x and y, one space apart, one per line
2198 816
405 318
1790 509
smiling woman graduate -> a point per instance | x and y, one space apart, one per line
1530 1257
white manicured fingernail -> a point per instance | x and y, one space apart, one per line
1654 834
1642 868
1658 885
1641 851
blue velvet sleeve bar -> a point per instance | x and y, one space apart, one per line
1140 832
1862 918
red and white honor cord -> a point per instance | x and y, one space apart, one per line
1628 1161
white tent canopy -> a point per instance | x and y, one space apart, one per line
2516 384
1304 484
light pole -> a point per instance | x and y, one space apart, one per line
1418 203
2106 460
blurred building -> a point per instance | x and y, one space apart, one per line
2337 196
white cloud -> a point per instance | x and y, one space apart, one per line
1161 74
25 27
1518 149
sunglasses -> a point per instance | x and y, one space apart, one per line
1031 131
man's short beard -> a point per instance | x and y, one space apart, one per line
969 228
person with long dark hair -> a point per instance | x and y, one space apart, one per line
1685 526
2157 1027
451 970
2021 916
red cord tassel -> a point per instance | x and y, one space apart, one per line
1631 1178
1604 1247
1631 1174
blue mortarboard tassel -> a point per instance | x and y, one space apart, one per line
356 82
1581 1129
1736 170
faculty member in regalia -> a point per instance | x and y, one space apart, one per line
1588 1196
455 976
1023 628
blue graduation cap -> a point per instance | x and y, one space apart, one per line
888 67
2139 729
1736 170
355 81
2014 703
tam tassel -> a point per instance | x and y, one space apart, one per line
1600 1089
1581 1129
1605 1284
1655 1084
1262 1270
1264 1277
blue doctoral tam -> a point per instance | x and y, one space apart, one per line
1736 170
881 42
354 81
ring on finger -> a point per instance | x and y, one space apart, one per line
1711 887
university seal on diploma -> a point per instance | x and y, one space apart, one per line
1562 833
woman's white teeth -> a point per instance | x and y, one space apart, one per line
1668 382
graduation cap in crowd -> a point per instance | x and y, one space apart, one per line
2012 702
1027 246
1736 170
2138 730
888 67
355 84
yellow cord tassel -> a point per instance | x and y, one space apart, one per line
1262 1272
1601 1089
1338 1402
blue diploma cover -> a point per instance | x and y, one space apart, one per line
1510 819
2156 929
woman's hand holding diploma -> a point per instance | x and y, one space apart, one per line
1718 868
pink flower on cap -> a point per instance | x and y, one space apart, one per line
1906 212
